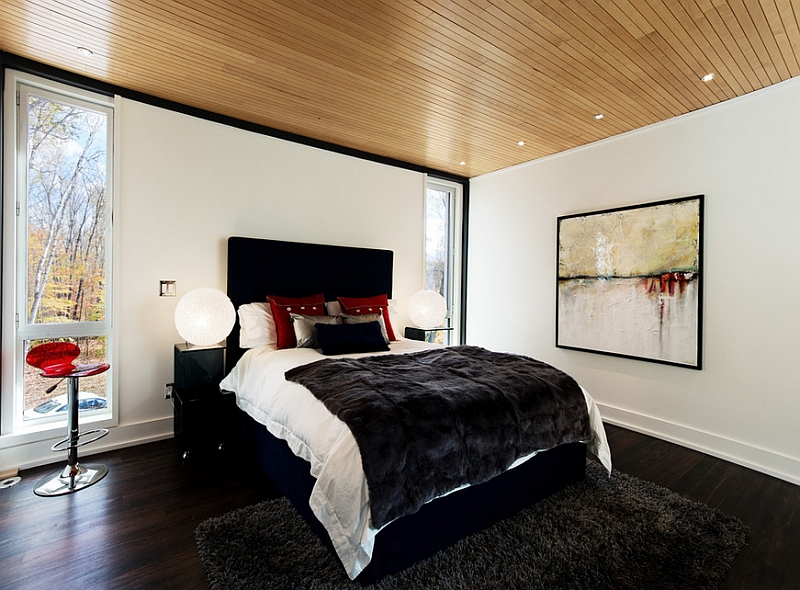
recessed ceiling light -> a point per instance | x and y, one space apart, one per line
85 51
599 116
520 143
708 77
462 163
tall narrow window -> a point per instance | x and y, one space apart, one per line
62 260
443 215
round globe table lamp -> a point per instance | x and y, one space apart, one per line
55 359
427 309
204 316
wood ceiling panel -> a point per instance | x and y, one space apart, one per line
429 82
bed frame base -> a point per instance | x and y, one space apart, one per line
439 523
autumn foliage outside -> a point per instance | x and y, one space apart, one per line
66 229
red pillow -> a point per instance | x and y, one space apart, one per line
283 306
365 305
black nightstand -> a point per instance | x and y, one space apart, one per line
204 416
421 334
205 419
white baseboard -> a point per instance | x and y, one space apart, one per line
762 460
34 454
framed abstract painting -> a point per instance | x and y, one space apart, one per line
629 282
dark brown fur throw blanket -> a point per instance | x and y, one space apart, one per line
429 422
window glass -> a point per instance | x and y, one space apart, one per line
45 397
437 241
66 211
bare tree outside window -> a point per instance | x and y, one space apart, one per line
437 224
442 253
66 212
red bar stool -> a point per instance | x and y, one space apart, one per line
56 361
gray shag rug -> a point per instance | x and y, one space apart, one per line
616 533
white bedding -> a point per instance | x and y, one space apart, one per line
340 498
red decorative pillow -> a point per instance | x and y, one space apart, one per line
283 306
366 305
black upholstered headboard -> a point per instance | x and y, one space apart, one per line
258 267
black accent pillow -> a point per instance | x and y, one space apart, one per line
348 338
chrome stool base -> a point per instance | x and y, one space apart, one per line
70 479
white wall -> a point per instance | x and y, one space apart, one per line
744 155
184 186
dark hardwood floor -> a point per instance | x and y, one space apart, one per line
135 528
770 507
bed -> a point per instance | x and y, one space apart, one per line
259 267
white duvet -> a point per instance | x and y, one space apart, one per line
340 498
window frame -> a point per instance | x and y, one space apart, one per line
455 255
13 429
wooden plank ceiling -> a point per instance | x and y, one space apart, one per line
431 82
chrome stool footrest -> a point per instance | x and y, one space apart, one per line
63 445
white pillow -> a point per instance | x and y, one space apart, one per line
257 326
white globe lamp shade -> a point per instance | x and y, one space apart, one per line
204 316
427 309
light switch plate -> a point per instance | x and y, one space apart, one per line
167 289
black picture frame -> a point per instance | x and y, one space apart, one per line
629 281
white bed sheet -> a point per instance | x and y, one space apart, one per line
340 498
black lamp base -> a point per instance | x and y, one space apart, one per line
196 366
